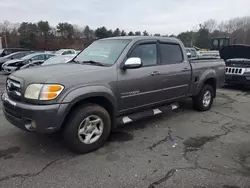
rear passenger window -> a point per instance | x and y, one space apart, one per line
171 53
147 53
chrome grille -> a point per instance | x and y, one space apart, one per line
235 70
13 88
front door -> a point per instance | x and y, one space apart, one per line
141 86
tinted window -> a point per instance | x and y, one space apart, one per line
38 57
147 53
65 53
18 55
216 42
171 53
47 56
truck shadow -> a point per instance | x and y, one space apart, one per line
53 144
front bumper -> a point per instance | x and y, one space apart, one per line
47 118
238 79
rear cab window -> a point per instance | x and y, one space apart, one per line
171 53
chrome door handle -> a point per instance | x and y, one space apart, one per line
154 73
185 69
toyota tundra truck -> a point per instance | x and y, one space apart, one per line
113 81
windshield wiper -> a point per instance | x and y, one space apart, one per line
74 61
92 62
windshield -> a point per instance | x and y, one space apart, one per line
57 60
104 51
28 56
10 55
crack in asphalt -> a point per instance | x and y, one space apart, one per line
196 143
172 172
168 137
191 145
27 175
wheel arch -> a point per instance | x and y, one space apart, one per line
103 97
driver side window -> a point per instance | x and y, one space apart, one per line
147 53
38 57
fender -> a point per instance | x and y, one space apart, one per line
209 73
85 92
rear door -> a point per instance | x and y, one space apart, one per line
175 72
140 87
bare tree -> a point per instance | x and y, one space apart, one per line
210 25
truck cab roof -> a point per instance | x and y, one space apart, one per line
140 38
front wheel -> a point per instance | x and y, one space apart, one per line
87 128
204 100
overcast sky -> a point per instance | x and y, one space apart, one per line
155 16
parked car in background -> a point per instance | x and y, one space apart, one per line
65 52
7 51
16 55
78 51
58 59
34 58
113 81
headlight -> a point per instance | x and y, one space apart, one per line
247 70
43 91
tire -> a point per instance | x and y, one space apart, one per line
73 140
198 103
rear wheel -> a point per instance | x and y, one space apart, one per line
204 100
87 128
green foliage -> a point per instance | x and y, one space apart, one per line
137 33
131 33
65 29
117 33
145 33
123 33
28 32
44 28
31 35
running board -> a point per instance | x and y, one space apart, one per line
144 114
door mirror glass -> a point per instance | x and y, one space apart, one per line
133 62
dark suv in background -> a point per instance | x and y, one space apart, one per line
7 51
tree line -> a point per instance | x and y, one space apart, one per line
43 36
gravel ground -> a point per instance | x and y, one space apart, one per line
183 148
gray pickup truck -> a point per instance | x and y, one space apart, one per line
113 81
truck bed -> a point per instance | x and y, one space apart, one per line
207 67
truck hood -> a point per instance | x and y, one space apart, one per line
238 62
40 74
235 51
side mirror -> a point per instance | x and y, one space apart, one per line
132 63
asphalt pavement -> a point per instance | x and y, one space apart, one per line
182 148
